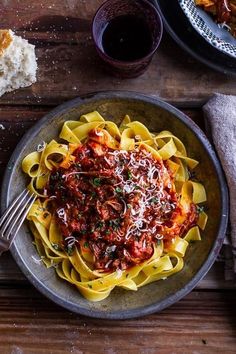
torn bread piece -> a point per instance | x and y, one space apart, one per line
18 64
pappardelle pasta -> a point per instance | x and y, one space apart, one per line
116 206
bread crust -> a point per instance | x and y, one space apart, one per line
18 64
5 40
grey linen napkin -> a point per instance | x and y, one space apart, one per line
220 119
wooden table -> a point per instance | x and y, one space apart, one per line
202 322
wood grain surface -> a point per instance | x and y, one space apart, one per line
202 322
61 32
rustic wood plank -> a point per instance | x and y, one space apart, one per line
29 323
182 83
65 50
63 15
14 123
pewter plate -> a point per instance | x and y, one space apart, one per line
156 115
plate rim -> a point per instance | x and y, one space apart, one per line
148 309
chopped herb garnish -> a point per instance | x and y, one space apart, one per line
200 209
56 246
99 224
70 250
158 242
93 194
129 174
86 244
83 232
115 224
56 176
129 206
60 186
193 176
112 255
97 182
154 200
118 190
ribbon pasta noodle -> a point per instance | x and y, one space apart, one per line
116 206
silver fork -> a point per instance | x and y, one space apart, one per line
13 218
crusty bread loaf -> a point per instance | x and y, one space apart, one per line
18 64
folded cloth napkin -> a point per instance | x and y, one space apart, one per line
220 119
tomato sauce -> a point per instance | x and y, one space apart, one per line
223 11
116 204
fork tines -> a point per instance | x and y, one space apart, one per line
13 218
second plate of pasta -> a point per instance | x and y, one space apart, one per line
203 14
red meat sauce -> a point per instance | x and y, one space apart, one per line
116 204
223 11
